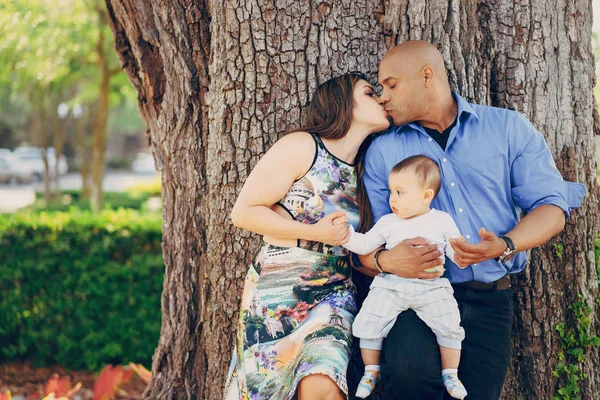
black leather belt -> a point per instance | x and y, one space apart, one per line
501 284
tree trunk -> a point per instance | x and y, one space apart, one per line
43 143
218 82
99 142
58 148
83 150
99 134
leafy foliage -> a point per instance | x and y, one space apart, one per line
577 344
80 290
52 51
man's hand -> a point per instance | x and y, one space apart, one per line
410 259
491 246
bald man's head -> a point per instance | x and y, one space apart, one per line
414 55
411 74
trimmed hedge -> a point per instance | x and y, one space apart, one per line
80 290
135 200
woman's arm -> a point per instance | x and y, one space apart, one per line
289 159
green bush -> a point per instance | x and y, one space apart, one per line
136 200
118 163
80 290
152 188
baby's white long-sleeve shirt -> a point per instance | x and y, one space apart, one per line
436 226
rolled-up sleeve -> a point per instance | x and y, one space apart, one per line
535 181
375 180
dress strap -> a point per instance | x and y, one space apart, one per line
318 141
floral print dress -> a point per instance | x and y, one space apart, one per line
298 303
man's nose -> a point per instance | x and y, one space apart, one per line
384 98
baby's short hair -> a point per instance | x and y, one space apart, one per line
425 168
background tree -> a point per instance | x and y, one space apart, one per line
36 58
61 51
219 82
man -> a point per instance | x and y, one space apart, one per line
494 164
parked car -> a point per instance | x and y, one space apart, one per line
32 158
143 164
4 152
20 172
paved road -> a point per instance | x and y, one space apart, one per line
13 197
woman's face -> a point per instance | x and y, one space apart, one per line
367 111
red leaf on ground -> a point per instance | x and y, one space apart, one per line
57 385
109 380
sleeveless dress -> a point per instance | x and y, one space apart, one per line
298 303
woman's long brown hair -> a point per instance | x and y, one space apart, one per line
329 116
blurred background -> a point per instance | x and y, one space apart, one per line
68 114
81 267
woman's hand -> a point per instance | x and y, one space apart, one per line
332 229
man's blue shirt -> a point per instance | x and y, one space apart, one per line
495 165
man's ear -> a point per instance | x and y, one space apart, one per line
427 74
428 195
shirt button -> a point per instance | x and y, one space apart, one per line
475 264
444 159
452 184
468 236
460 210
430 139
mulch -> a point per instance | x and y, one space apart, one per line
22 379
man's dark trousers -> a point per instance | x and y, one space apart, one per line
413 365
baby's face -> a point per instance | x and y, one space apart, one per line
408 196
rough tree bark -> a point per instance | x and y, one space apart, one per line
219 81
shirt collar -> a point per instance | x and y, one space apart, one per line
463 107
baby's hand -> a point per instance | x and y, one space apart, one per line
340 220
332 229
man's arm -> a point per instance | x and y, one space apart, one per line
534 229
537 188
407 259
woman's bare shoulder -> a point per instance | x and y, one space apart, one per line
301 138
295 150
298 144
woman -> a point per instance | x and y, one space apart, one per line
298 305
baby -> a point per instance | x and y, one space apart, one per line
413 184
